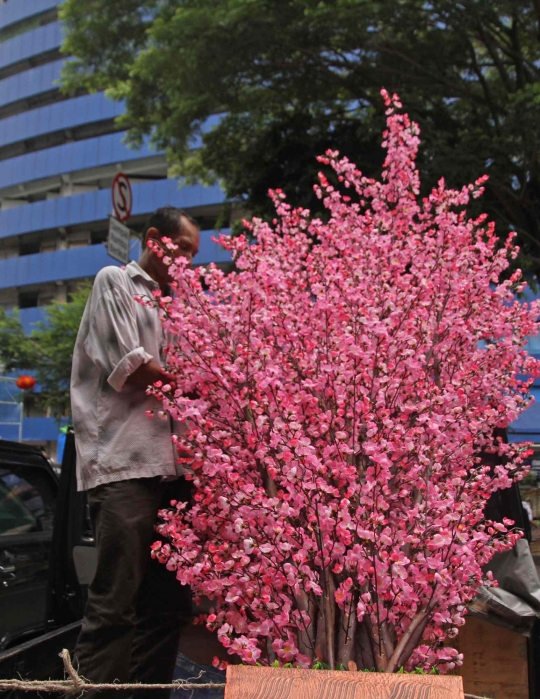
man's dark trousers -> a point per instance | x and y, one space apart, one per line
136 607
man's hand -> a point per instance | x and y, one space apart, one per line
147 374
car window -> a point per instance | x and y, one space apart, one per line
27 498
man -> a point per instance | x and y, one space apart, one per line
126 463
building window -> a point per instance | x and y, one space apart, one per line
78 240
97 237
48 246
29 247
28 299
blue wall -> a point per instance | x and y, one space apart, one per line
54 117
30 316
79 263
15 10
70 157
96 206
30 44
31 83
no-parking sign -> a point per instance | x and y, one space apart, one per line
122 197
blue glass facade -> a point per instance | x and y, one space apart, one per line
68 114
68 158
30 83
13 12
58 158
31 44
96 206
82 263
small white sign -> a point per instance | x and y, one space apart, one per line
118 241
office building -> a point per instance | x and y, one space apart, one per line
59 155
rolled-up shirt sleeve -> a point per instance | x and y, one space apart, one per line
113 342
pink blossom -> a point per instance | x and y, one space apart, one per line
348 374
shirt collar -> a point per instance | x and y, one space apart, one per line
134 270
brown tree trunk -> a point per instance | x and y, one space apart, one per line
364 656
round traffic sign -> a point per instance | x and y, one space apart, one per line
122 197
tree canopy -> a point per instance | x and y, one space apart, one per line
291 78
47 351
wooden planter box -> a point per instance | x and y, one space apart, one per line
280 683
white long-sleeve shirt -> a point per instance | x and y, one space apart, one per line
115 438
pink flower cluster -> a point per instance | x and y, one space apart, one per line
349 373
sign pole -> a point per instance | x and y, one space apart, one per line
118 240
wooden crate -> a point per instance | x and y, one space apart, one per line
495 661
280 683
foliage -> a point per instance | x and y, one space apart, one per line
293 78
318 665
529 480
349 374
47 350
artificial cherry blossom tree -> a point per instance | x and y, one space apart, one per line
349 373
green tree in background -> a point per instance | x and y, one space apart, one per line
291 78
47 351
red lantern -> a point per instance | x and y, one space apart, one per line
25 383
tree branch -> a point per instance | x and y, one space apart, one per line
485 86
487 40
516 44
410 638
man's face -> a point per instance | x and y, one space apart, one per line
187 242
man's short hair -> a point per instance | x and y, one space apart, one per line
168 221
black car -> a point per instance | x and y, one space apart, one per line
28 494
47 559
44 612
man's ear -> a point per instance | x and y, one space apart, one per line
151 234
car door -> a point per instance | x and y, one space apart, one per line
27 500
73 553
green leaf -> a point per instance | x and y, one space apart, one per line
47 351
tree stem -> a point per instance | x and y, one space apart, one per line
347 633
329 613
270 652
306 635
379 655
364 656
387 641
410 638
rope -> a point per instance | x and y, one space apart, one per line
75 684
